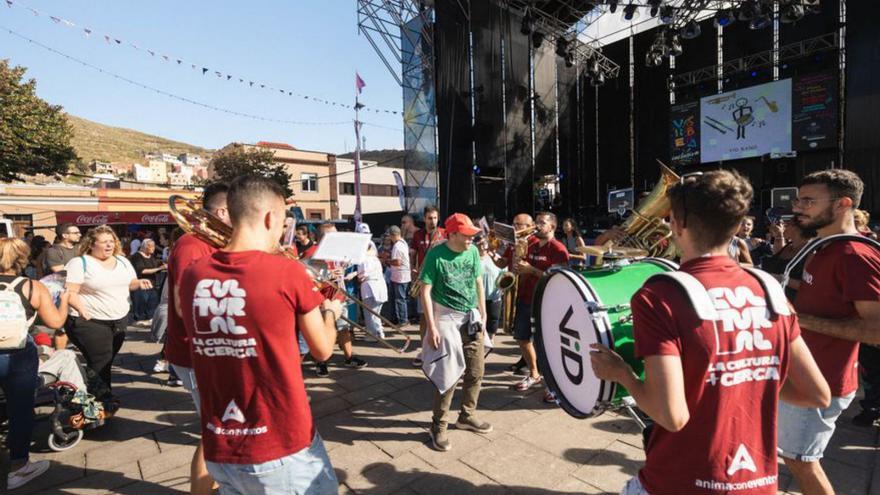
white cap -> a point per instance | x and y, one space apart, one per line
362 228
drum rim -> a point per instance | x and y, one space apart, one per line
541 354
662 262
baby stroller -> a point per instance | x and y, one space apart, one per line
72 411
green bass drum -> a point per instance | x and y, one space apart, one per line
573 309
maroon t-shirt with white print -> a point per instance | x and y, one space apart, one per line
240 310
733 369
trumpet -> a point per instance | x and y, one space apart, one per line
207 227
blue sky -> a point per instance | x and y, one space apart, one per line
310 47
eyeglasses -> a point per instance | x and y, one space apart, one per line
682 179
808 202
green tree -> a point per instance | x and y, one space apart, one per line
234 161
34 135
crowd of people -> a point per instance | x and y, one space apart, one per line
795 356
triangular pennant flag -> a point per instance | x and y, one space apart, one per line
204 70
134 46
67 23
152 53
179 61
263 86
87 31
251 83
228 77
165 57
54 19
217 73
359 83
34 11
107 39
193 66
282 91
9 3
117 41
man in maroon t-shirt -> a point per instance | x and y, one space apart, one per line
245 305
712 386
422 241
187 250
540 256
838 302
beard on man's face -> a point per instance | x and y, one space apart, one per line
815 222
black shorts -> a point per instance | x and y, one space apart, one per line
522 322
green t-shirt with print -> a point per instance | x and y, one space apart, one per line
452 276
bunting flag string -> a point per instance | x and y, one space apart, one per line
110 40
168 94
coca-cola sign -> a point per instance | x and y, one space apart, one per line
92 219
114 218
154 218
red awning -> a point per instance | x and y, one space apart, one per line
110 217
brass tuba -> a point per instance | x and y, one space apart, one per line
645 228
207 227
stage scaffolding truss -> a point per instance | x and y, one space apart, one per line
801 49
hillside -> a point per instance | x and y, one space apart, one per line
116 144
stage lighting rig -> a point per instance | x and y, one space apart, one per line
813 6
764 18
691 30
748 10
655 7
528 23
667 14
674 45
538 39
612 6
791 12
630 12
563 46
724 18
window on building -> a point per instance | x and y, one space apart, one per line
20 223
346 188
316 215
309 182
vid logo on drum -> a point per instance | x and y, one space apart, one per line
571 347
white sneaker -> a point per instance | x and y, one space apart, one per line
161 366
26 473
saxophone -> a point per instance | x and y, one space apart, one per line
507 281
415 286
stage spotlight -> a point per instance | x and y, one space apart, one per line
537 39
630 12
763 20
812 6
562 45
597 79
569 60
691 30
667 14
748 10
528 24
654 58
593 67
655 7
724 18
674 46
791 13
612 6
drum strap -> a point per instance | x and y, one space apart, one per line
819 243
695 291
702 302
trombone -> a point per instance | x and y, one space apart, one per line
207 227
323 280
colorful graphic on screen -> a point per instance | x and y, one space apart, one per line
746 122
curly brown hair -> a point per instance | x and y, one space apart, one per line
14 254
712 205
89 239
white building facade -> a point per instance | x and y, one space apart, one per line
379 191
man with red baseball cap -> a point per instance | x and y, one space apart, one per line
455 313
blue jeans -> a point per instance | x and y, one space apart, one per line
18 379
144 303
307 472
400 293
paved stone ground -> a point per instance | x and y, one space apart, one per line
374 422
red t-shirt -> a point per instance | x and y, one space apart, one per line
542 258
733 370
834 278
187 250
310 251
421 242
241 312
